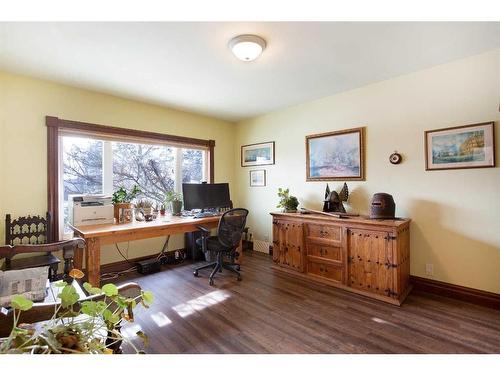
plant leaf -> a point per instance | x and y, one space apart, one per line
60 284
20 302
91 289
110 317
68 296
110 290
144 337
147 297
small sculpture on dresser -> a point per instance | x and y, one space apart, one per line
333 200
382 206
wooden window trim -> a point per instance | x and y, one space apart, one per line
55 125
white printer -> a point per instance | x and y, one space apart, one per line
90 209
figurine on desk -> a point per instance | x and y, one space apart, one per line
333 200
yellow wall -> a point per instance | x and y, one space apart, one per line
24 103
455 213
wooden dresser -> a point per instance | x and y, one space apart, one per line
362 255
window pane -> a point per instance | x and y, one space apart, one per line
151 167
82 168
192 165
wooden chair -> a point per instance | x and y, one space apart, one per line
68 248
42 311
31 230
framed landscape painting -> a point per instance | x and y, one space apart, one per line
468 146
336 155
257 154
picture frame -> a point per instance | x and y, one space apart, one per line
257 154
336 156
257 177
460 147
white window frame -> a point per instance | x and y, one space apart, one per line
107 166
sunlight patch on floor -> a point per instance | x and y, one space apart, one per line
382 321
160 319
200 303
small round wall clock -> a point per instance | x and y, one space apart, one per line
395 158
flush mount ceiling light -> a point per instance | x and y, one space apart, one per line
247 47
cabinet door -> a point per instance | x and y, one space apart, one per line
276 241
370 262
288 240
294 244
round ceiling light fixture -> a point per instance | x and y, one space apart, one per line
247 47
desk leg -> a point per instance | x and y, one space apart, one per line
239 260
93 261
78 259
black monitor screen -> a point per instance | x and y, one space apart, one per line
202 196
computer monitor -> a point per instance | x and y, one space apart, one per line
205 196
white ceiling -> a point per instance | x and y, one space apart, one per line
187 65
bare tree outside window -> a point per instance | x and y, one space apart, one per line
150 167
82 166
192 165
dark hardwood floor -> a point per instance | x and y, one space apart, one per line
271 312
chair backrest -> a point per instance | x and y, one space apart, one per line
27 230
231 226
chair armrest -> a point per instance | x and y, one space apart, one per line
203 229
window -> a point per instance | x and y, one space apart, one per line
94 166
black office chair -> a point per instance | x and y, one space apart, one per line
229 232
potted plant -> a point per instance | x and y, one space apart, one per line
175 201
144 208
122 200
90 326
287 202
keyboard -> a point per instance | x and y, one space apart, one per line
200 215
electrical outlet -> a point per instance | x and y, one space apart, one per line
429 269
266 238
177 255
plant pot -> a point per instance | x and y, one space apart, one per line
176 207
123 212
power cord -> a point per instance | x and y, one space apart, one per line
113 275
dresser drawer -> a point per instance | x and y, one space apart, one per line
328 271
324 251
327 232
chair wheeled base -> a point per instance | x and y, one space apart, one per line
218 266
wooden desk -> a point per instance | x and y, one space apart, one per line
105 234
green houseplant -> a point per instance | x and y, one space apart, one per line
175 201
144 208
122 199
91 326
287 202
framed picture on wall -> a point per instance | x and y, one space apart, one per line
335 156
257 154
468 146
258 177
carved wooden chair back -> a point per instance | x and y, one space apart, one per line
27 230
